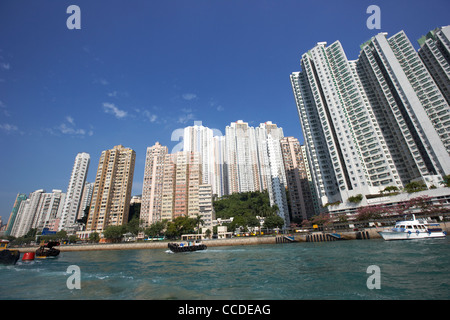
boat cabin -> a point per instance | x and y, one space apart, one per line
3 244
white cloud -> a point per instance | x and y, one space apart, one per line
65 129
185 118
68 127
8 128
149 116
70 120
111 108
189 96
101 81
4 109
5 66
214 104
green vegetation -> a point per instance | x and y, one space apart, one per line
244 204
446 181
390 190
355 199
415 186
244 207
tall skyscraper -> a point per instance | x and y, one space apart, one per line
404 89
12 218
74 192
152 186
300 195
205 199
435 54
182 178
277 182
26 214
49 211
85 199
199 139
370 123
245 159
242 158
111 197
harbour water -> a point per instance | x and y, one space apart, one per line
416 269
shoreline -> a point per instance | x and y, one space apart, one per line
238 241
319 236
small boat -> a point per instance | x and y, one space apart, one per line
47 250
8 256
412 229
189 247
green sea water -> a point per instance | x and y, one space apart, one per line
416 269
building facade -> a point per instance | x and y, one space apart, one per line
74 192
435 54
111 196
182 178
152 186
371 123
12 217
300 196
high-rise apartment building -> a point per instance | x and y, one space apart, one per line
326 91
74 192
375 122
205 206
26 213
277 183
152 186
12 217
85 199
40 210
435 54
402 88
49 211
300 195
242 158
111 196
182 177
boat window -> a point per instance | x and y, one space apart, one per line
416 227
409 227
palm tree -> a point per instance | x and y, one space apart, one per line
198 221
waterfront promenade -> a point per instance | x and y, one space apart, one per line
362 234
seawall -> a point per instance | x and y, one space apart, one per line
363 234
157 245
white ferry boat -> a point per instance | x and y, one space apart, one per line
412 229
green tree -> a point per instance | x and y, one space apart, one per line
252 222
156 228
415 186
355 199
179 226
114 233
198 221
61 235
446 180
94 237
245 203
273 221
133 226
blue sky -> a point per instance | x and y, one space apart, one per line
138 70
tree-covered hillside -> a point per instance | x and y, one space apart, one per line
244 204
